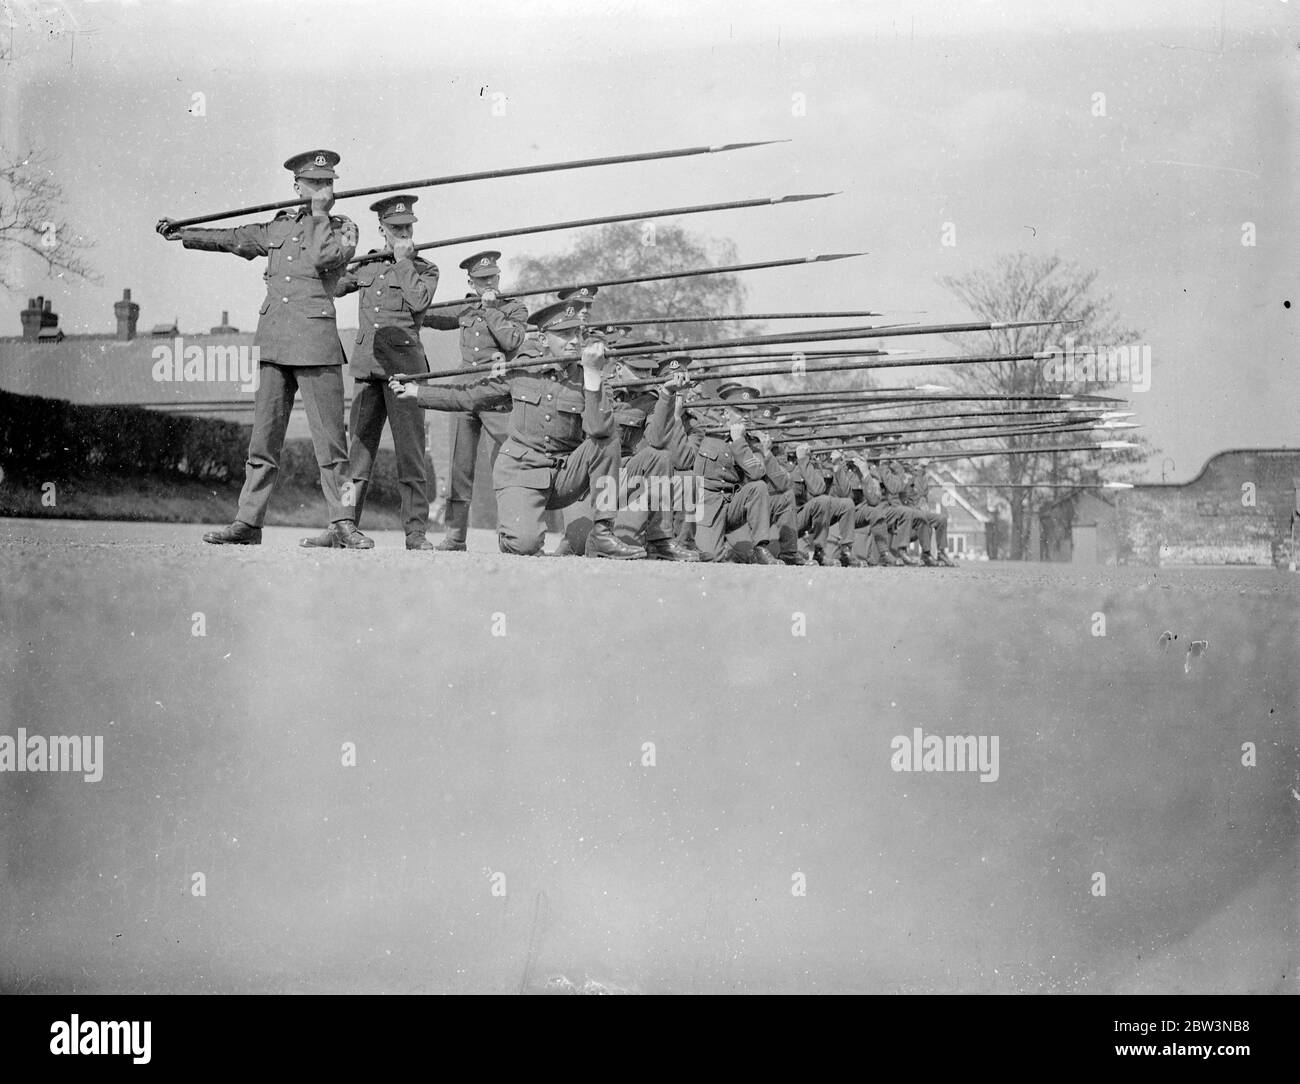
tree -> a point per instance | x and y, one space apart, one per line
32 219
1025 287
624 249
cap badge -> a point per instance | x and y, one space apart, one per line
399 207
320 159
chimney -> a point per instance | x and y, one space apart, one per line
48 318
224 327
127 313
31 317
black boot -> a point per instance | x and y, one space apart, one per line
238 533
666 549
602 542
350 538
418 542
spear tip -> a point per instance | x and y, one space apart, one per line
833 256
801 197
717 147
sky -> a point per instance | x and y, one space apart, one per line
982 115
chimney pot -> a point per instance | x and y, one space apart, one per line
49 306
126 294
225 317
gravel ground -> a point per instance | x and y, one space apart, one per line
503 829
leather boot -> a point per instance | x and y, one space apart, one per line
763 555
667 549
238 533
350 538
945 560
326 540
847 558
602 542
418 542
457 527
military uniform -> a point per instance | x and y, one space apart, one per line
560 446
932 527
297 340
392 297
490 332
903 520
874 515
734 494
644 416
818 510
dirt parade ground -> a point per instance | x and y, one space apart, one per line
332 771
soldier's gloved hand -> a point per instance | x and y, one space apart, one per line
765 442
403 248
593 357
489 295
170 231
802 452
738 430
836 457
404 389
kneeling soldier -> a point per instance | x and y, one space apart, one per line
561 444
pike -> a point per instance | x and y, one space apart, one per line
631 216
805 419
832 366
1081 423
736 317
1034 485
487 175
877 439
663 275
866 331
875 395
1101 446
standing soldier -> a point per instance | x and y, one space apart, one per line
297 342
492 329
394 292
562 443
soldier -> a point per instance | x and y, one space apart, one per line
492 329
561 444
873 514
843 485
394 292
817 510
733 492
903 521
931 527
297 342
784 540
681 452
643 416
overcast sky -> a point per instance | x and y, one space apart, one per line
978 114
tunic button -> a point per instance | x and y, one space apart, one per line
285 300
548 417
549 398
293 238
288 278
288 257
